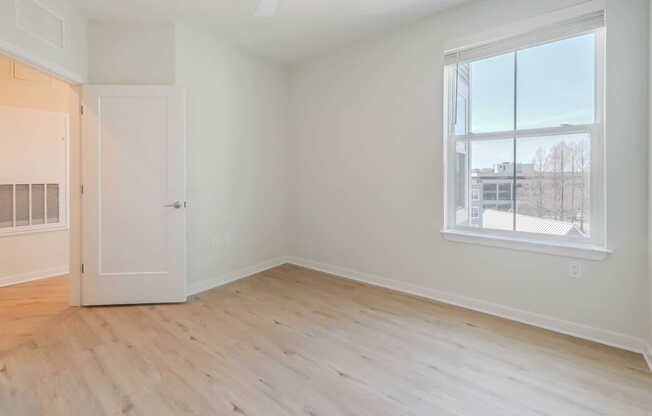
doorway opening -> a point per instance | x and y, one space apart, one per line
38 113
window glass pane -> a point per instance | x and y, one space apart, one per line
492 176
6 206
460 123
461 73
553 183
38 204
22 205
53 203
492 94
556 83
460 175
461 181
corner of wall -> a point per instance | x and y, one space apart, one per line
649 356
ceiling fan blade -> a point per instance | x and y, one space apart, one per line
267 8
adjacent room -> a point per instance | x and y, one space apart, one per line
279 207
35 121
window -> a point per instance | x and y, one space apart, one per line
489 191
505 192
525 127
30 207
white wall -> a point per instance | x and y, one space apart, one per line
70 61
34 152
130 53
33 256
236 147
236 137
367 175
650 180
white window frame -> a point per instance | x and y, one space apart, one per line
593 248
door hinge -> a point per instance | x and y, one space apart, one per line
81 109
83 268
82 189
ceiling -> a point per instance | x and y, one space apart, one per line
300 29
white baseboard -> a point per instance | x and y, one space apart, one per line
31 276
602 336
648 356
207 284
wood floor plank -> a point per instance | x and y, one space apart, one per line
293 341
26 308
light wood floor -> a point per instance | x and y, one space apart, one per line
27 308
291 341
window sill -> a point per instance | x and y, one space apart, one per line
563 249
36 230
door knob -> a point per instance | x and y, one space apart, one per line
175 205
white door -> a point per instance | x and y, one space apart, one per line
133 202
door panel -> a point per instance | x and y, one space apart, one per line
133 170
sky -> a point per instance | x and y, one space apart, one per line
555 85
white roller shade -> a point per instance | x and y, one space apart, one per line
576 26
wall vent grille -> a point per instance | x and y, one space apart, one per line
37 20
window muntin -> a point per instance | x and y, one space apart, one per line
536 176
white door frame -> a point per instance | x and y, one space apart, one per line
20 54
74 155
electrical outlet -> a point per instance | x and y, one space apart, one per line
575 270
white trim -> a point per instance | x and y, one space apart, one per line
563 249
24 56
211 283
46 228
647 354
553 32
31 276
562 130
602 336
527 25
